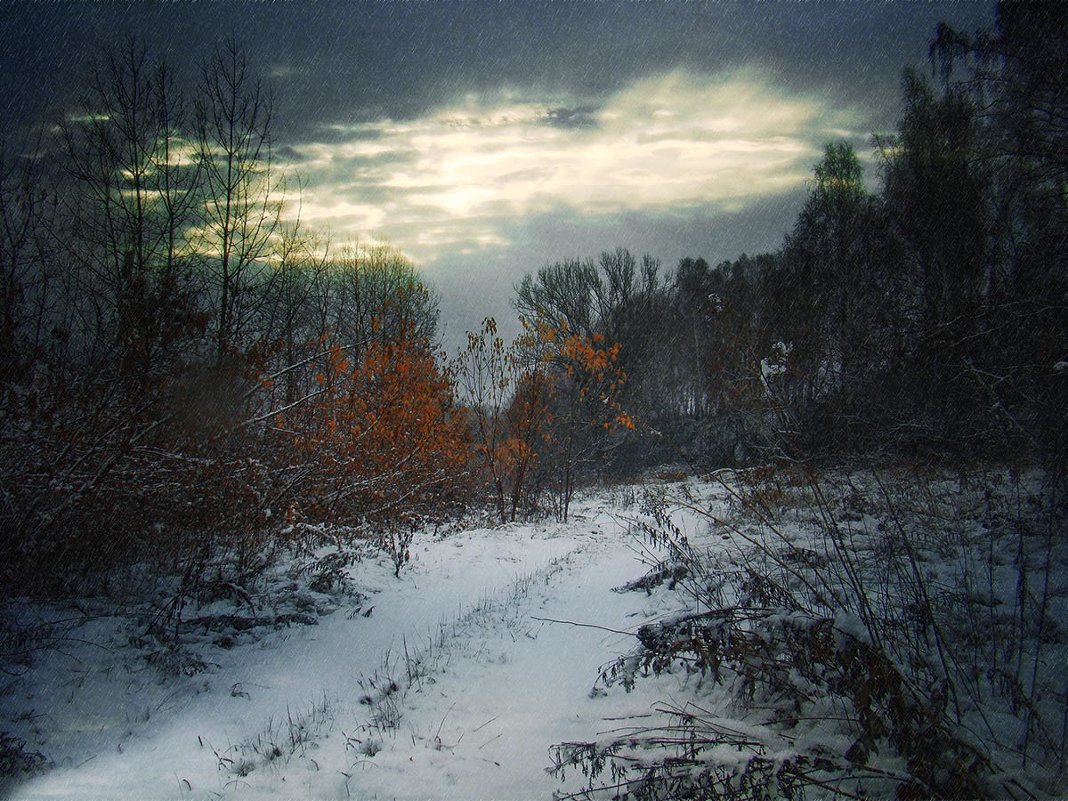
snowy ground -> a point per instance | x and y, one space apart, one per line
454 686
457 679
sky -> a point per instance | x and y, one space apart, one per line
487 139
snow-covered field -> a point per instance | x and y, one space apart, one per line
457 679
449 682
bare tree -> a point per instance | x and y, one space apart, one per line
295 286
242 193
24 216
129 202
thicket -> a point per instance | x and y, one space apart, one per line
190 380
193 382
880 634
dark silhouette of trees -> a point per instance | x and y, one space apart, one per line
130 196
242 203
926 317
25 215
1016 75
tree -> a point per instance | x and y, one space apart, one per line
622 300
242 203
1014 76
824 253
1017 73
695 302
563 293
586 382
296 285
509 402
937 196
131 199
25 214
384 444
376 293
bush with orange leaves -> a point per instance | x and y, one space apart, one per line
587 384
541 408
508 407
383 445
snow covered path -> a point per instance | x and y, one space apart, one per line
451 688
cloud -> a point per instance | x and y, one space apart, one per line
577 117
458 178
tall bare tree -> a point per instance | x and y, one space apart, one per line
242 191
132 189
24 216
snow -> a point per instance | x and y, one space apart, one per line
456 679
485 684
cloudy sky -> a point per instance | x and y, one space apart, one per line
485 139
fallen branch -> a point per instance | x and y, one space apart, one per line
583 625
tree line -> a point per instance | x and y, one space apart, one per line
924 320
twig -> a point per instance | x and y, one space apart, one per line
488 722
437 735
584 625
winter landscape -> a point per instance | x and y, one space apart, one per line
350 448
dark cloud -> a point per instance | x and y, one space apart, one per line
340 70
579 117
344 61
290 154
335 132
